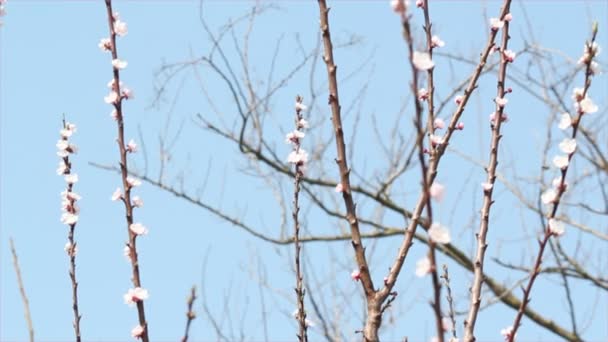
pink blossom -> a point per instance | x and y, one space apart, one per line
138 229
112 84
501 101
568 146
339 187
460 126
561 162
398 6
509 56
127 252
446 323
508 17
504 117
302 124
300 107
557 183
120 27
105 44
62 144
116 195
135 295
586 105
294 137
437 42
71 178
119 64
70 250
556 227
458 99
565 121
137 202
127 93
69 218
577 94
549 196
420 3
595 48
70 195
422 60
487 186
506 332
436 140
137 332
439 233
423 267
438 123
299 157
111 98
131 146
594 68
356 275
496 24
69 129
437 191
423 94
62 168
133 182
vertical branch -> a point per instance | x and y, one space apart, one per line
442 143
436 304
71 211
583 104
334 102
294 137
374 314
136 295
26 303
488 186
190 314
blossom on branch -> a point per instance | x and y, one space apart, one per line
422 60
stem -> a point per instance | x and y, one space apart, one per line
190 314
302 335
124 174
469 323
560 191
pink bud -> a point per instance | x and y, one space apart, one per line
460 126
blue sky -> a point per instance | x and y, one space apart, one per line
50 65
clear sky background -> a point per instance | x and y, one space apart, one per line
50 65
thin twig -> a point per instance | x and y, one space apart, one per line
190 314
450 299
26 303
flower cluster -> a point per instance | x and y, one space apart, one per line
68 197
439 234
496 24
399 6
118 91
298 156
590 51
507 332
135 295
